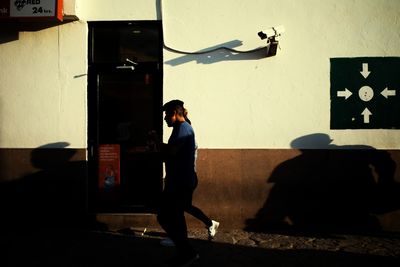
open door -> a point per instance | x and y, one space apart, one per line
124 102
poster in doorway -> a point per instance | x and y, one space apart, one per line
109 167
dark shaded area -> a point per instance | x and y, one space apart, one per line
335 189
139 190
53 194
8 34
85 248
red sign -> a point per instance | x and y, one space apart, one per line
109 167
31 9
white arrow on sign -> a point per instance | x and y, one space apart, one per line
365 72
345 93
386 92
366 113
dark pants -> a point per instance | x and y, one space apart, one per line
196 212
171 217
199 214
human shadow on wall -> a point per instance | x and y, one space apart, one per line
53 194
333 189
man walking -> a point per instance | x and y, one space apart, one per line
180 181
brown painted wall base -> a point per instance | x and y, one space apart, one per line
287 189
326 190
258 189
43 188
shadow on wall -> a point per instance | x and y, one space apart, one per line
333 189
218 53
52 196
10 30
8 34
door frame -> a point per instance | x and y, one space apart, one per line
94 70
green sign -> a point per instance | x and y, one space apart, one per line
365 93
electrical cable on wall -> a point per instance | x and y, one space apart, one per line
210 50
213 50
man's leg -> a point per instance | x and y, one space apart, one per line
199 214
172 219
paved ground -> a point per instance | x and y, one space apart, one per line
132 247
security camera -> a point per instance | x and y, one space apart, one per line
271 33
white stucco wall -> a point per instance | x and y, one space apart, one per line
43 87
266 103
234 100
94 10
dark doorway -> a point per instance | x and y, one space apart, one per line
124 102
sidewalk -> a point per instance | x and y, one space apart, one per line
133 247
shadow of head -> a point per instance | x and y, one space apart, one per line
52 155
316 140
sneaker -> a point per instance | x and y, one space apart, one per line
167 242
212 230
